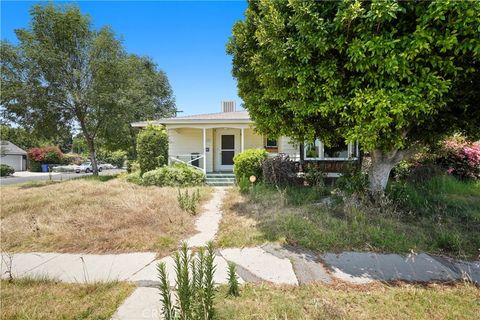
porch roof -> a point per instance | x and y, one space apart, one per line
214 118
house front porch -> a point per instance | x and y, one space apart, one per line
213 148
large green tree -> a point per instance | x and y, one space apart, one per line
66 75
147 96
391 75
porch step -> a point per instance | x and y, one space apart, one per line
220 179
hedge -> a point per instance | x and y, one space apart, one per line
176 175
6 170
152 148
248 163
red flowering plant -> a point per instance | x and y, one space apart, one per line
36 154
461 158
48 155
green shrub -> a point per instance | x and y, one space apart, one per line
152 148
133 166
134 177
248 163
6 170
188 202
244 184
116 158
176 175
194 285
279 171
352 180
72 158
315 177
35 166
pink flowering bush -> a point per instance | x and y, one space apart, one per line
460 158
50 154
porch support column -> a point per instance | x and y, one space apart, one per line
242 139
205 150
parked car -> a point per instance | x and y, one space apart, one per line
106 166
86 167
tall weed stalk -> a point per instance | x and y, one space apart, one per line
194 285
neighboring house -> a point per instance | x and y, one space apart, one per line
13 156
210 141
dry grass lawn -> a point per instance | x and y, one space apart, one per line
44 299
341 301
239 225
92 216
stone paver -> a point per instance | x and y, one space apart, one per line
77 268
362 267
262 264
142 304
306 265
207 224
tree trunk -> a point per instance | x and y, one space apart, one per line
379 173
382 164
133 140
93 155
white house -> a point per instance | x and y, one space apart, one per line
210 141
13 156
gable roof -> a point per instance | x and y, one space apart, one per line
6 147
219 117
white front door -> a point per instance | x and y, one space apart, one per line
226 147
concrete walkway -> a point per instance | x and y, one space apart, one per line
271 263
207 224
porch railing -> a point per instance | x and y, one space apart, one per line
188 159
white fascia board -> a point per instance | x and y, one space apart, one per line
184 122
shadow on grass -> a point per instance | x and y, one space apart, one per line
37 184
103 178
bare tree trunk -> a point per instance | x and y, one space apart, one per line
93 154
134 142
382 164
379 173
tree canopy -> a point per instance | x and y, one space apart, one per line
64 75
390 75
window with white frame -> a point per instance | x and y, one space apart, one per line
271 142
340 151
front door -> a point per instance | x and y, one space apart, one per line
227 151
226 146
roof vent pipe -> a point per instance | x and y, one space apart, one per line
228 106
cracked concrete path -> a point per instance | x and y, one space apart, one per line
208 222
262 264
364 267
76 268
143 304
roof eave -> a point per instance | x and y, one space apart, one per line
189 121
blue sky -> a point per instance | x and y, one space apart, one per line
185 38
